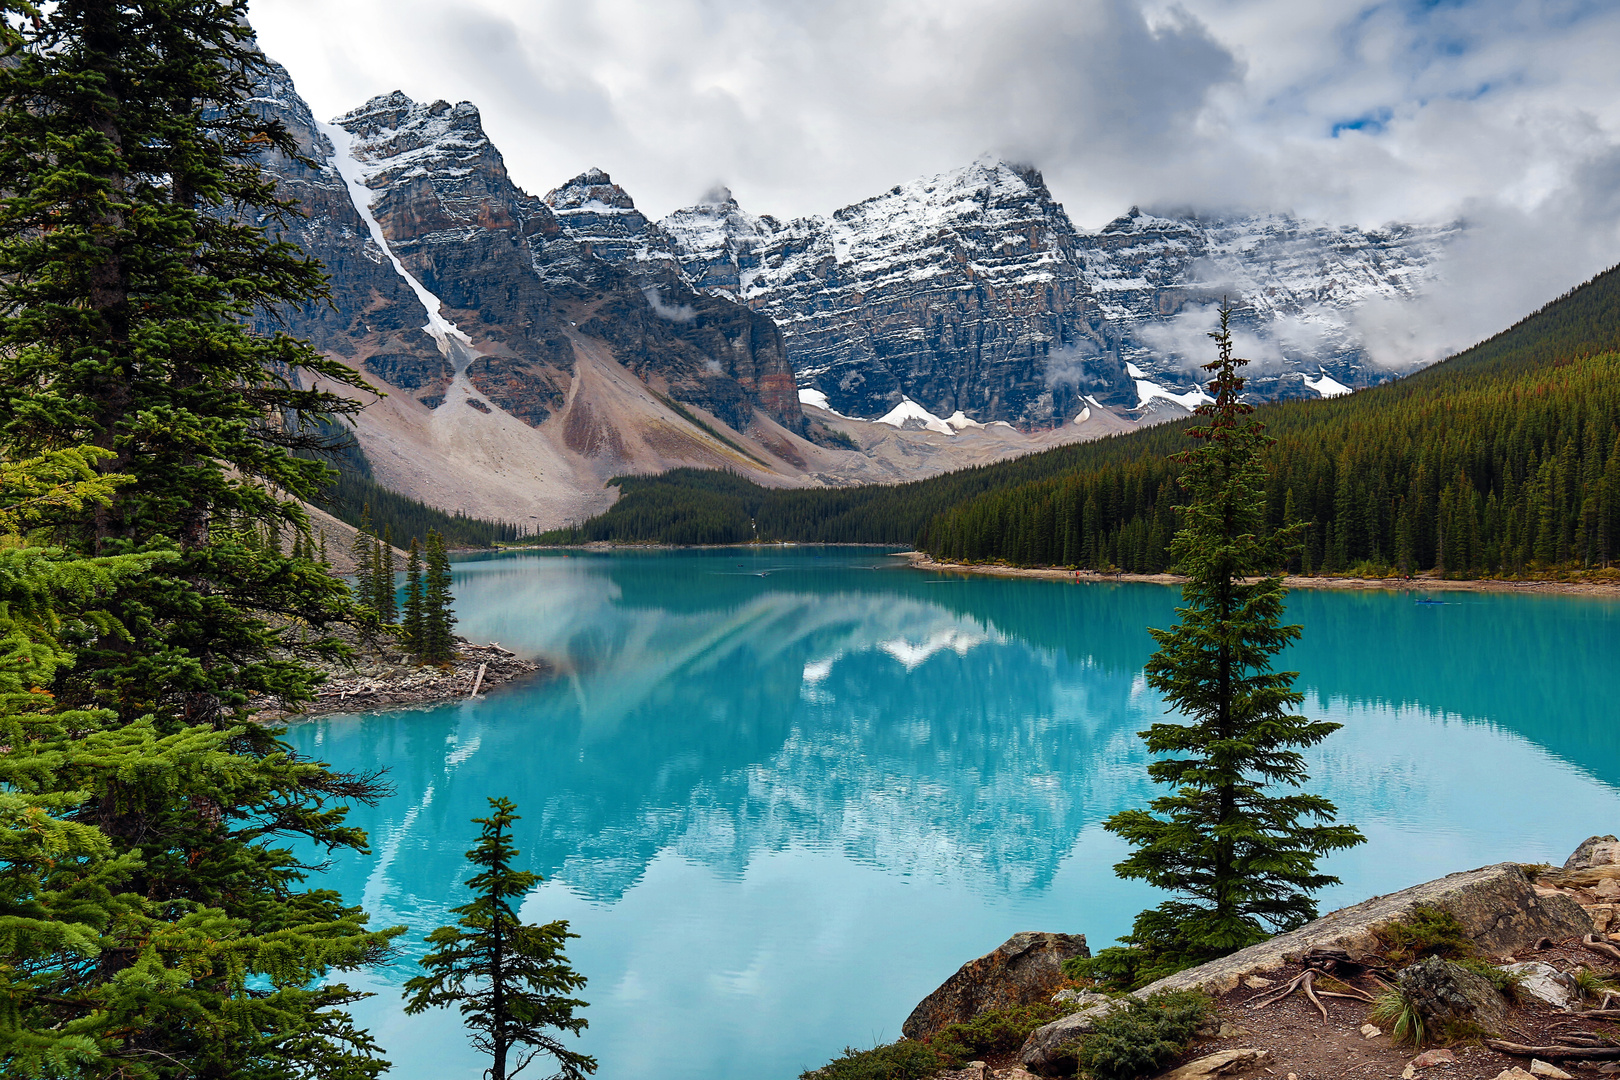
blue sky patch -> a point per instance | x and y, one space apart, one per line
1371 122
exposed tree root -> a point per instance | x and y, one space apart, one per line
1591 941
1305 982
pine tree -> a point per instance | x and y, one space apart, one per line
383 597
363 551
412 624
133 255
1241 860
438 638
509 979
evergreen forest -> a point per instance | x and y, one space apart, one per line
1504 459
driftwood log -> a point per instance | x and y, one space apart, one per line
1586 1053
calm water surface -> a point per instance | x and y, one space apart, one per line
781 795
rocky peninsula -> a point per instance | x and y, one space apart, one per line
385 676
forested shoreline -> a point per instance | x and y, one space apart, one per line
1503 460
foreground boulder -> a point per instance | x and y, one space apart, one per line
1449 996
1498 908
1023 970
1049 1050
1594 851
1544 983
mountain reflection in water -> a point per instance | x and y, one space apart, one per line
912 768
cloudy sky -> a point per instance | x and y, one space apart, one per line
1503 113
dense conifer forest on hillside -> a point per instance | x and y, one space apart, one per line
1502 459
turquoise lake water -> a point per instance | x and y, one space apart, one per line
781 795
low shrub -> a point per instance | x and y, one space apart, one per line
1590 984
835 437
995 1032
1142 1038
1427 931
897 1061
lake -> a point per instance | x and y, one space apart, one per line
782 794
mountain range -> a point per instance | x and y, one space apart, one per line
527 349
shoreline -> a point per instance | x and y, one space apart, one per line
922 561
386 683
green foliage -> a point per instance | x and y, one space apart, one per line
684 506
383 592
1142 1038
1505 982
1504 459
895 1061
374 570
996 1031
1394 1010
1591 984
436 641
832 437
411 625
1426 931
1127 967
155 921
509 979
1241 860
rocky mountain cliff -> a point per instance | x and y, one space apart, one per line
972 290
532 347
962 291
528 349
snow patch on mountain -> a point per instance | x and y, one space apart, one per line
910 416
1148 391
1325 385
354 174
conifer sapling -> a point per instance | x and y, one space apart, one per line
509 979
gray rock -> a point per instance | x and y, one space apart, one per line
1023 970
1497 906
1544 983
1049 1050
1447 993
1594 851
1224 1063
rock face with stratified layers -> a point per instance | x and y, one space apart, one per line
960 292
973 290
504 263
373 321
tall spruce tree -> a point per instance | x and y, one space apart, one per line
1240 858
384 597
411 623
133 252
438 621
509 979
363 552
